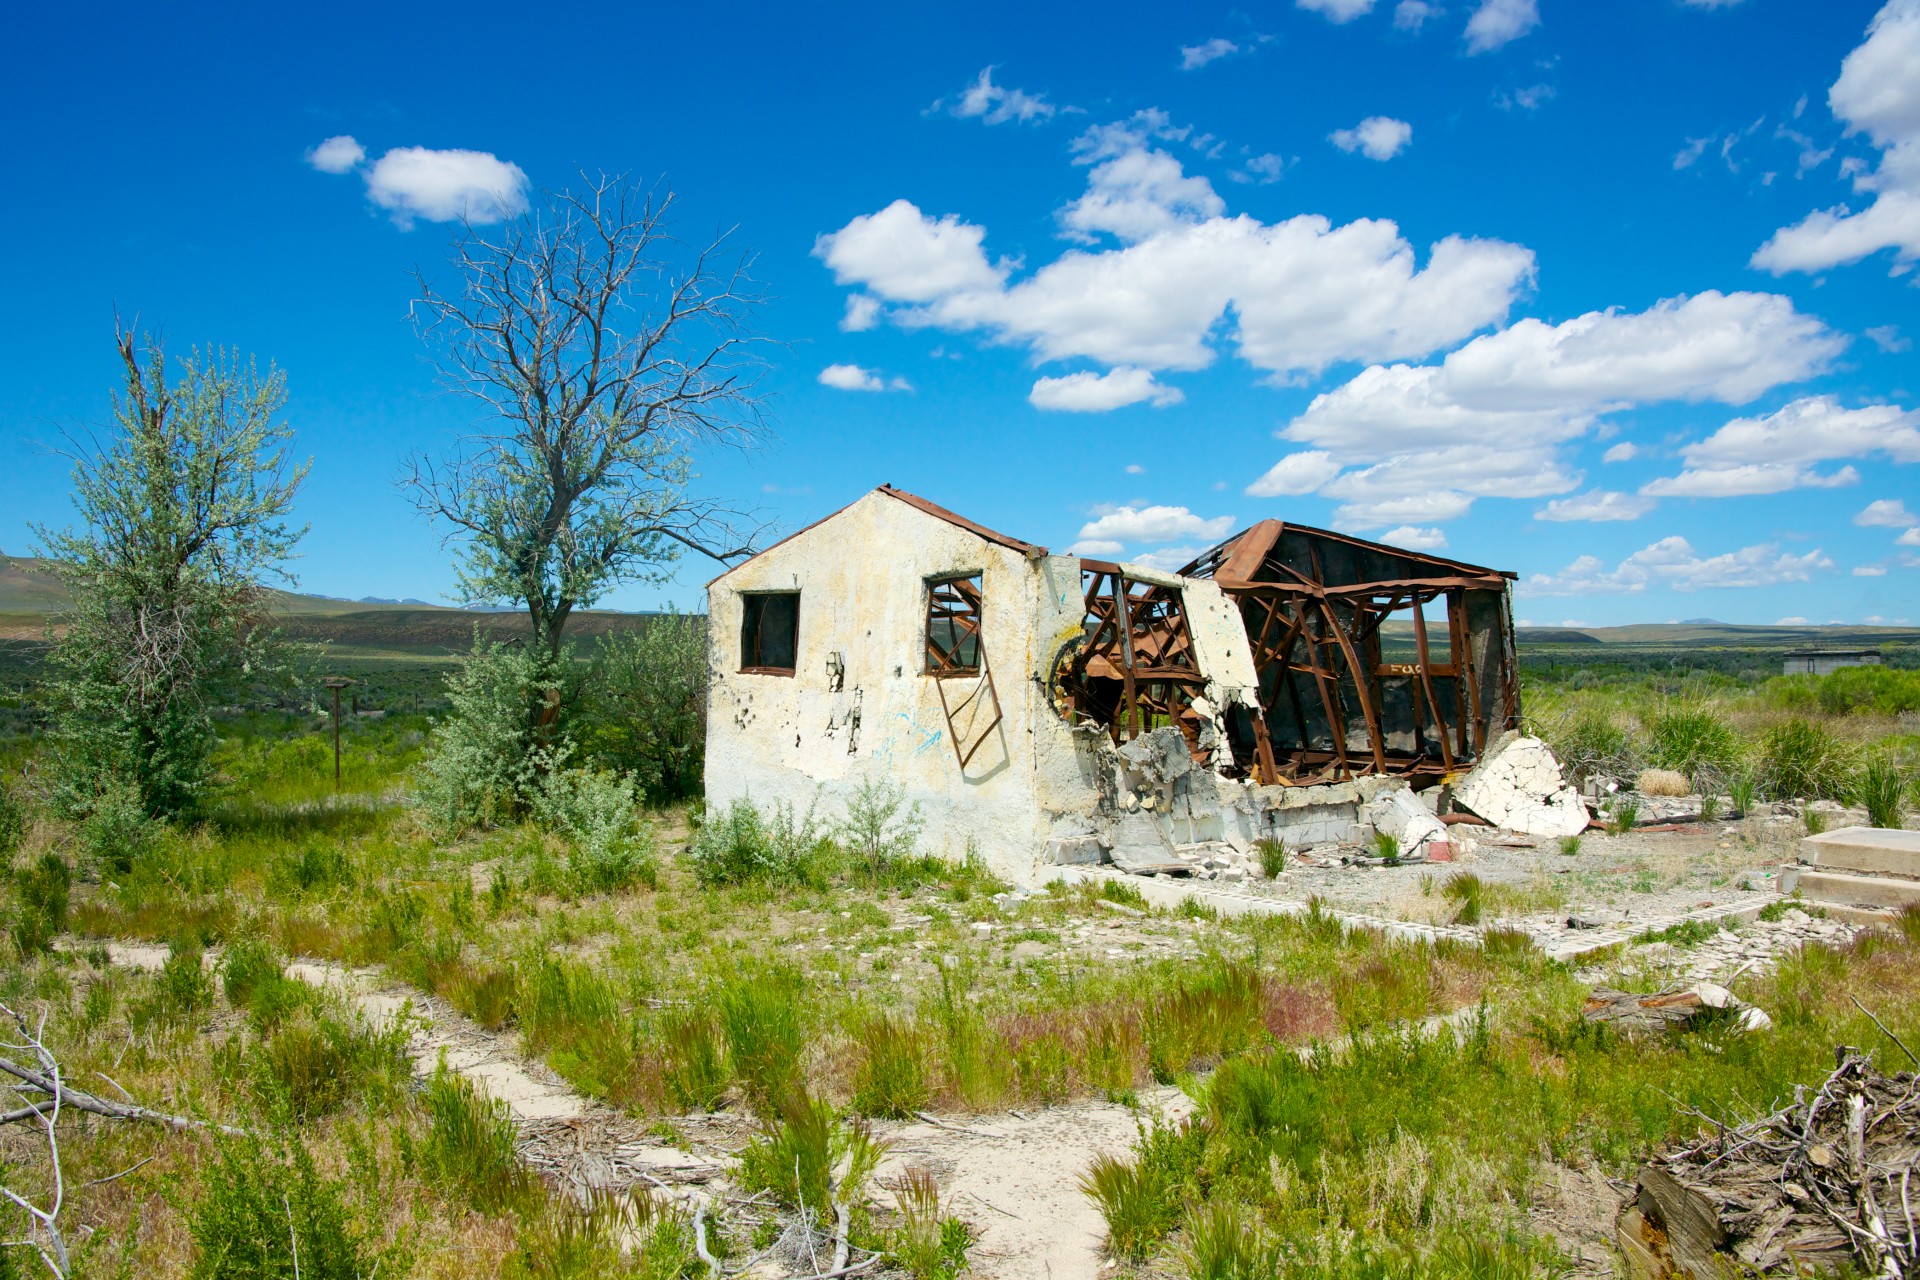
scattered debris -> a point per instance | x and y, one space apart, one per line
1817 1187
1638 1013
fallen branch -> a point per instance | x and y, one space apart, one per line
938 1123
60 1093
1883 1029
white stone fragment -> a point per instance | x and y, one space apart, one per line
1400 814
1518 786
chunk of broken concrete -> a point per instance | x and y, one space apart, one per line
1400 815
1139 844
1638 1012
1518 785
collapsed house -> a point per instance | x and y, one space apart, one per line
1290 683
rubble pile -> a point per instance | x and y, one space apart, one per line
1819 1187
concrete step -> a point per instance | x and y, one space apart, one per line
1846 890
1874 851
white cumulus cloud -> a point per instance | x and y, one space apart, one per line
1376 137
1878 94
1598 505
337 154
1622 452
1151 524
1087 392
1870 571
1500 22
851 377
1297 473
1886 513
862 314
1777 452
1491 417
1195 56
1911 538
1414 538
905 256
1673 563
446 186
1411 15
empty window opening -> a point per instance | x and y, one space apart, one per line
953 626
769 632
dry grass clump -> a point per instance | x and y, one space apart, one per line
1662 782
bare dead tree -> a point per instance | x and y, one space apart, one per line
43 1231
605 353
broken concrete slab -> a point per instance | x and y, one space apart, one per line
1835 888
1066 851
1878 851
1411 825
1519 786
1139 844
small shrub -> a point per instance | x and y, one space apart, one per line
741 845
115 829
265 1204
1815 820
1223 1245
43 890
875 831
469 1148
1882 788
1507 943
797 1150
1469 893
892 1076
314 1064
1591 743
928 1244
1801 760
1692 739
648 713
478 765
252 976
1570 846
1273 856
1141 1201
316 865
1662 782
1907 920
599 814
181 988
1125 894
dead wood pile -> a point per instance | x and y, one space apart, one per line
1810 1189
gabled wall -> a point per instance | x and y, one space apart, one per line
859 704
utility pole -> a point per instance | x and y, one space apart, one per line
336 683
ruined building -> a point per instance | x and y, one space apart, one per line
1043 708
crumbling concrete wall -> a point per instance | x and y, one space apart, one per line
859 704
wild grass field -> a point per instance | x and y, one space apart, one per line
812 974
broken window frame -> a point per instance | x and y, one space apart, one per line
1135 633
955 601
753 611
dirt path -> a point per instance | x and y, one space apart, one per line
1016 1180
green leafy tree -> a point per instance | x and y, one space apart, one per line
646 713
183 513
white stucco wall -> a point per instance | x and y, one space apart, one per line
862 576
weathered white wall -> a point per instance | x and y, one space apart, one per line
862 576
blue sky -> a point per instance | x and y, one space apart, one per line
1617 296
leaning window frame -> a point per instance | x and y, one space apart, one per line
936 662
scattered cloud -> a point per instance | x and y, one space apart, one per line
1791 620
1490 419
1295 296
1622 452
851 377
1135 469
1087 392
1195 56
1337 10
1096 547
446 186
1710 4
1911 538
1598 505
337 155
1113 527
1689 155
1869 571
863 313
1376 137
1261 170
1777 452
1297 473
1673 563
1877 94
1496 23
1531 98
1888 338
990 103
1169 559
1414 538
1886 513
1411 15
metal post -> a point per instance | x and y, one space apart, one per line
336 684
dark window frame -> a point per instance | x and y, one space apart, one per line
754 606
957 600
